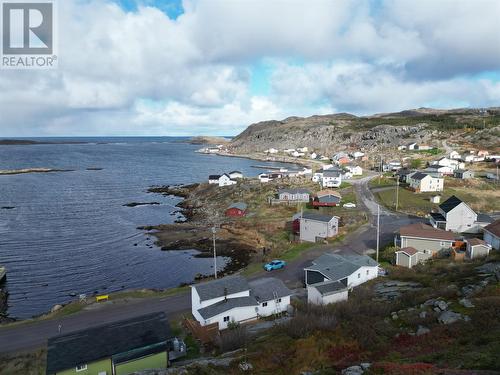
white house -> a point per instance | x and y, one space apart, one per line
412 146
355 170
213 179
423 182
297 154
477 248
271 151
314 226
327 292
358 154
225 180
455 155
235 174
331 178
314 155
303 149
264 177
234 300
350 269
440 170
492 234
452 163
296 195
288 150
317 176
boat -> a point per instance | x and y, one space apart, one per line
3 273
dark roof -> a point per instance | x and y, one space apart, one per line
234 172
268 288
337 267
494 228
331 173
418 176
226 305
437 216
239 205
294 191
329 199
403 172
317 217
475 242
220 287
214 177
67 351
483 218
329 287
420 230
450 203
408 250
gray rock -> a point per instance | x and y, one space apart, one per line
56 308
466 303
394 316
245 366
353 370
423 314
449 317
469 290
437 309
365 366
429 302
422 330
442 305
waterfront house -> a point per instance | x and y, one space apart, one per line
456 216
122 347
233 299
264 177
213 179
424 237
409 256
331 178
412 146
327 292
423 147
422 182
225 180
235 175
315 227
237 209
295 195
271 151
463 174
477 248
492 234
326 198
351 269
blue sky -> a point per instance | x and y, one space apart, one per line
145 67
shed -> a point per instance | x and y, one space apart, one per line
326 292
237 209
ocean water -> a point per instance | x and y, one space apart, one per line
70 233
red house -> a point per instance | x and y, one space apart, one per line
237 209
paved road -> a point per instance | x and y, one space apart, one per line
33 335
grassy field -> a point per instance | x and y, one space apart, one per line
26 363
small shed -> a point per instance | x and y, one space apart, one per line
237 209
409 256
477 248
326 292
435 199
463 174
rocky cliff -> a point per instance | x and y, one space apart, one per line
330 133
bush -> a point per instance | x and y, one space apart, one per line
309 319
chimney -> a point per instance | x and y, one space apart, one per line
225 294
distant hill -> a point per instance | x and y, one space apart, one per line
328 133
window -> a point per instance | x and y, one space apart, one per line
278 300
81 367
367 272
359 275
264 304
226 319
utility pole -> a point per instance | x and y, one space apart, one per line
378 229
397 192
214 230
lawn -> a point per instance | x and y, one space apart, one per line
409 201
381 182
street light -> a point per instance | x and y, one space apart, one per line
214 231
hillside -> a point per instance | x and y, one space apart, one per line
329 133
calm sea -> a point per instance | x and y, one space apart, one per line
70 233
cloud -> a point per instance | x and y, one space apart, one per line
139 71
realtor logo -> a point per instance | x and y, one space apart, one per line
28 34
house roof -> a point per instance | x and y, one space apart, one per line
317 217
104 341
294 191
483 218
437 216
408 250
331 173
425 231
329 287
239 205
418 175
326 192
220 287
450 203
494 228
475 242
403 172
226 305
337 267
235 172
214 177
268 288
329 199
461 171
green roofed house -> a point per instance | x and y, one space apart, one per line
118 348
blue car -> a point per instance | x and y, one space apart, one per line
274 265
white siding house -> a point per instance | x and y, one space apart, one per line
492 234
423 182
327 292
225 180
296 195
315 226
331 178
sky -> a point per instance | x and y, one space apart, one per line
212 67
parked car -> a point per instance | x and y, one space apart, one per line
349 205
274 265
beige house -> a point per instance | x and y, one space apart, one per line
422 182
424 237
409 256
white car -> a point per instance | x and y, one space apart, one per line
349 205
